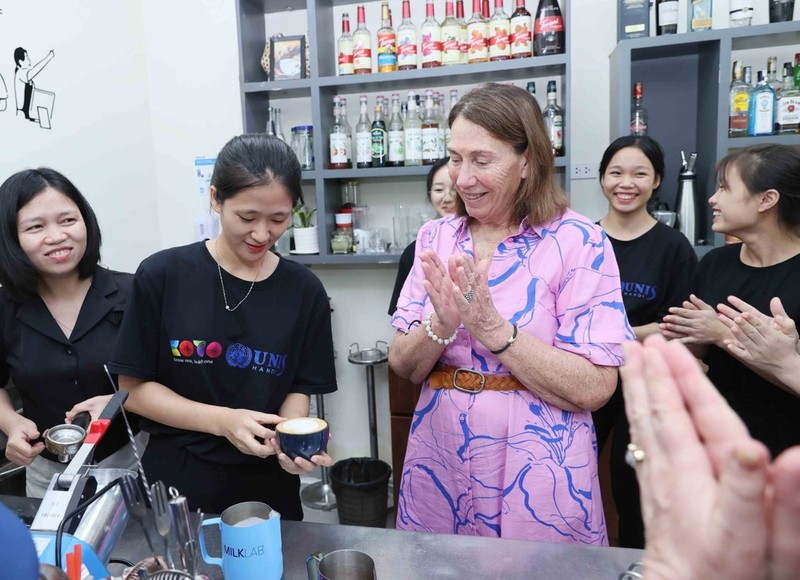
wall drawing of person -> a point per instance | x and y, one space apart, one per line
3 93
24 73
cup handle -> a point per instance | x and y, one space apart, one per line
206 557
312 565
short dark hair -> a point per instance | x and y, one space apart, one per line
17 273
644 143
19 54
769 166
256 159
512 115
434 170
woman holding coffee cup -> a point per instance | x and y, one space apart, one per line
224 339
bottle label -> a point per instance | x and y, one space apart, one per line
478 47
499 40
345 59
379 143
555 127
362 53
741 102
451 47
463 42
407 51
737 123
549 24
363 147
430 143
413 138
338 145
441 142
396 146
764 113
387 52
668 13
638 125
431 45
521 38
789 111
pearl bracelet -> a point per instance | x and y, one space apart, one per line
427 324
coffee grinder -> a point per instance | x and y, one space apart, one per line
99 524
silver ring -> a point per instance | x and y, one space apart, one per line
469 295
634 455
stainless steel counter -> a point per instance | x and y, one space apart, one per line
412 556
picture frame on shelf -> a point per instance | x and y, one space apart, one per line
287 58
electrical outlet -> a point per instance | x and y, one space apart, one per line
583 171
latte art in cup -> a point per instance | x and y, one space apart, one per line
302 437
302 426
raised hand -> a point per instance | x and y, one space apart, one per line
694 323
243 428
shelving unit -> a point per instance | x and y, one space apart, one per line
686 90
321 21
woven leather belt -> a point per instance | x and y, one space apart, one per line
471 381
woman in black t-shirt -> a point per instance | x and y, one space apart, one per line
758 201
656 263
223 339
59 317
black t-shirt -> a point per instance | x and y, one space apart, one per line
52 372
655 271
403 270
771 414
178 333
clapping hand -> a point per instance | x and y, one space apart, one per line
712 504
694 323
759 339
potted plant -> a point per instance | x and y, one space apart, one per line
305 232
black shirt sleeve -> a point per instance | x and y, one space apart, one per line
404 268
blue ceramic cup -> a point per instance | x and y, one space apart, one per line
303 436
251 542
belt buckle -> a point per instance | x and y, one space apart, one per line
466 370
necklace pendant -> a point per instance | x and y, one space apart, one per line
228 308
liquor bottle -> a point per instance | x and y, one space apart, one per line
406 41
638 112
531 88
363 136
463 33
554 120
748 77
478 32
521 37
412 131
279 126
431 38
396 155
441 113
548 29
761 119
499 33
739 103
387 42
741 13
447 134
362 46
772 76
430 132
788 103
485 9
797 69
271 130
345 48
338 140
699 15
667 16
380 141
348 130
451 47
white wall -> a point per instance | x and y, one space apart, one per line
100 130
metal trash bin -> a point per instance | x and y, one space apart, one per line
361 485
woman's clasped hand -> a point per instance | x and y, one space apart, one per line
714 505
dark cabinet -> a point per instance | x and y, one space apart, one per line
403 396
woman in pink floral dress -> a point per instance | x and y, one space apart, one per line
513 318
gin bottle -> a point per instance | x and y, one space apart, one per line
762 108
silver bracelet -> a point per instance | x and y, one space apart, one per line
429 331
634 572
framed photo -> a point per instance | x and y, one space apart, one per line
287 58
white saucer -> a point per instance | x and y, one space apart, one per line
302 253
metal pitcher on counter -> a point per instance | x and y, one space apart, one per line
686 202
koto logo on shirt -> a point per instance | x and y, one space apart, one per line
638 290
195 348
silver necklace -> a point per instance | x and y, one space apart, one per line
221 283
